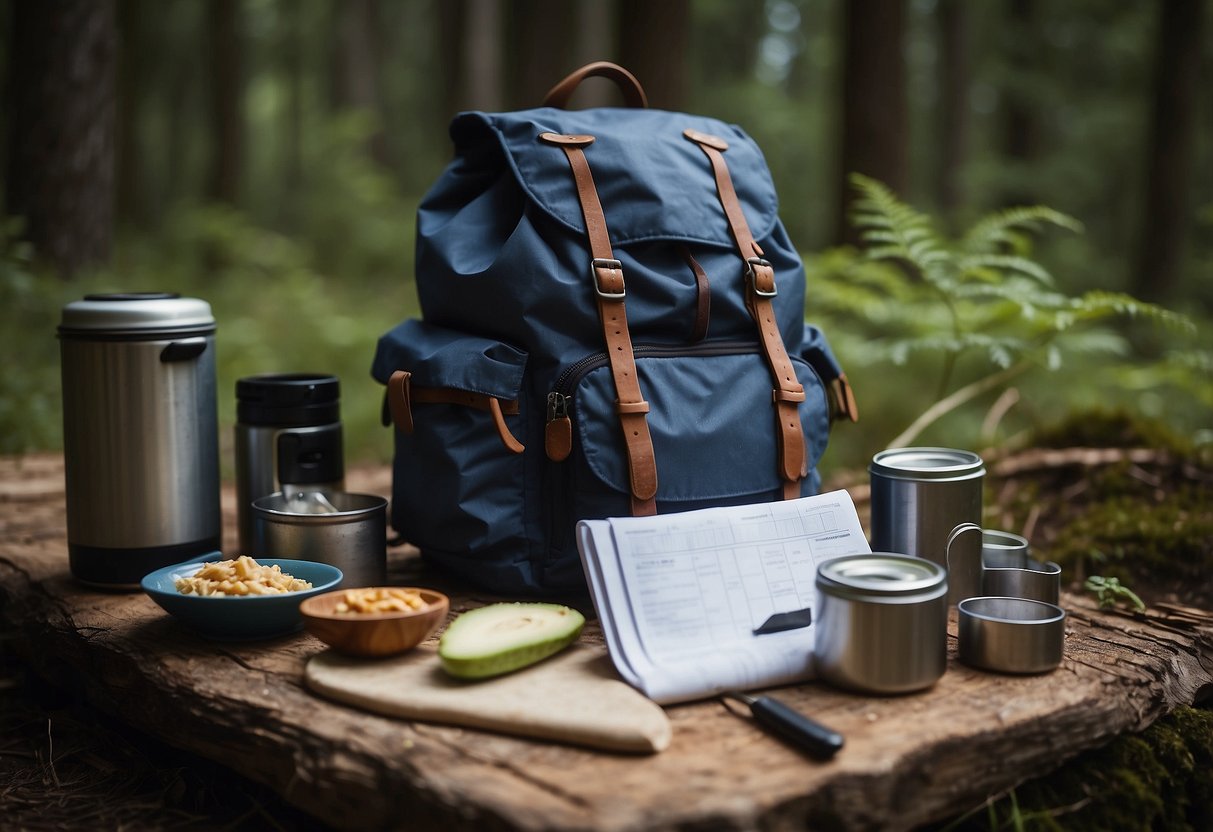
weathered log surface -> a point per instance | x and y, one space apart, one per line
908 759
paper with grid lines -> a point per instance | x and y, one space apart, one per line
680 595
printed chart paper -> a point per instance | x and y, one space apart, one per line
680 595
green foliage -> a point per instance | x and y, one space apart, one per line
1160 779
275 312
29 385
1110 592
976 312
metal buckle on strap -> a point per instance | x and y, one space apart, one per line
750 266
605 263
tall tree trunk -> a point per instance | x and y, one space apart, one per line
226 100
875 121
451 15
653 45
358 57
60 166
541 32
593 40
482 56
953 123
1170 153
471 33
1021 122
132 204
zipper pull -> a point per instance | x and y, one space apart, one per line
558 432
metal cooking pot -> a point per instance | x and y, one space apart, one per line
140 434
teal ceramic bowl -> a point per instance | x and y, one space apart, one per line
237 618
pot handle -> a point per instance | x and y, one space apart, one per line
185 350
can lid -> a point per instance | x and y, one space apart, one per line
927 464
136 314
288 399
880 575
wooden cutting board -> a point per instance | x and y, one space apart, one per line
573 697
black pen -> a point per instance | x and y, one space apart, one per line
790 725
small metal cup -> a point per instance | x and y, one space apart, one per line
1035 580
353 537
1003 550
1011 635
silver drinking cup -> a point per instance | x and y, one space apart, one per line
1011 635
1035 580
345 530
919 496
1004 549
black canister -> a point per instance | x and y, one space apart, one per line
140 434
288 439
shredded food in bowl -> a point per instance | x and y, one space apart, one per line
240 577
380 599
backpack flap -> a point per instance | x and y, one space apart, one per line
653 184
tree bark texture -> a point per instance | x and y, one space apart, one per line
875 120
60 167
908 760
1166 206
1021 119
541 36
357 58
653 45
225 57
953 118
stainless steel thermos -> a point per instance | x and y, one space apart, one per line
288 439
140 434
919 496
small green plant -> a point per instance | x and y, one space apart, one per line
1110 591
980 294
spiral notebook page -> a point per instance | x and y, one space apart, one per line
680 595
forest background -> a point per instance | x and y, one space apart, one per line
269 155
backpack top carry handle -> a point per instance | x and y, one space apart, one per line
633 93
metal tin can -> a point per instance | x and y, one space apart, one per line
919 495
881 623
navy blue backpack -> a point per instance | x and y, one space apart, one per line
613 323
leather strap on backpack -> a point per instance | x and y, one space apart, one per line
760 289
402 393
607 274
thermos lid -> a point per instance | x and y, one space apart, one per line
881 576
927 464
287 400
136 315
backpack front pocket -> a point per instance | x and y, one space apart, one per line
712 422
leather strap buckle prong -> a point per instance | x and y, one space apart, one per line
613 265
751 266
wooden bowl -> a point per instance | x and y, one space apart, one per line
373 634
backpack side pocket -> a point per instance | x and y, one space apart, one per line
457 479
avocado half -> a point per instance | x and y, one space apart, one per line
499 638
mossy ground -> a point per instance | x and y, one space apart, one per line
1150 524
1147 523
1158 781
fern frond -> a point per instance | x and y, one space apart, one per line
1000 230
1001 349
896 231
1098 304
1006 263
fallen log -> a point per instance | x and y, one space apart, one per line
908 759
